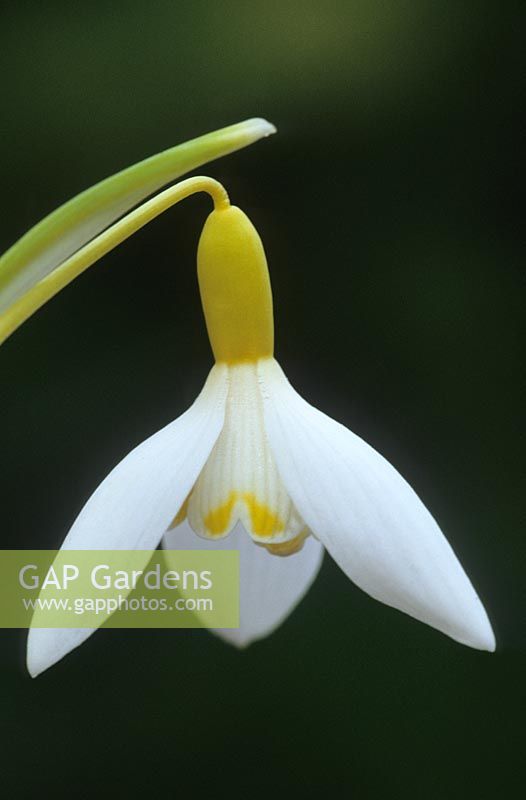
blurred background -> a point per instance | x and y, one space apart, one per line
389 208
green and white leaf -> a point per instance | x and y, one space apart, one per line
49 243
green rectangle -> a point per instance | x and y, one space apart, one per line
119 588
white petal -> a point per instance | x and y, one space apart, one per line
134 505
270 586
368 517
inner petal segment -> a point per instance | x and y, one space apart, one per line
240 481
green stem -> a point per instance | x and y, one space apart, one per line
74 266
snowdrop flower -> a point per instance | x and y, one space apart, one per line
283 481
252 466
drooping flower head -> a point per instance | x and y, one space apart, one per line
252 465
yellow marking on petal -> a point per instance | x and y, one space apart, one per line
180 516
290 547
235 288
264 521
217 520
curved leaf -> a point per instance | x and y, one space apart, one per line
68 228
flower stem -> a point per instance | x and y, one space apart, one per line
74 266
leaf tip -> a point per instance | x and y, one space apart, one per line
262 127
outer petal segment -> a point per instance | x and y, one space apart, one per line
368 517
134 505
270 586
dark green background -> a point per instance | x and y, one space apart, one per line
389 207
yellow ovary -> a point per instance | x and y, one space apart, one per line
235 288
